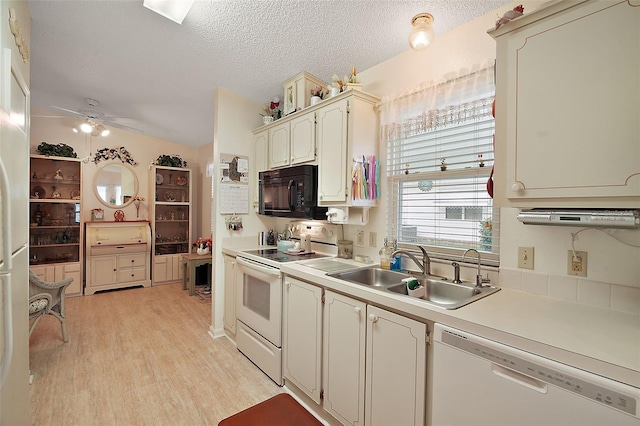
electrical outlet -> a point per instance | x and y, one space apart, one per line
360 238
525 257
577 266
373 239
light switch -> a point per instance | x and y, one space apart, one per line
525 257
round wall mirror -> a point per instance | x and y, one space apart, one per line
115 185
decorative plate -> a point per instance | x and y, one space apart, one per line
169 196
38 192
118 215
182 181
159 179
75 194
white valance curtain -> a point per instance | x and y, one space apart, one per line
435 103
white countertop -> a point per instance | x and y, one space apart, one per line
598 340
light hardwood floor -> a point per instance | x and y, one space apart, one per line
136 357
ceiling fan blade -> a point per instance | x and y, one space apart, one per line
49 116
122 126
70 111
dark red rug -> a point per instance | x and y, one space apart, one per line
280 410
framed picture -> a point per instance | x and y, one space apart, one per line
97 214
289 98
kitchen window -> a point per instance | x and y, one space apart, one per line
438 164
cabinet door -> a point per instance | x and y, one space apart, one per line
568 108
176 267
103 270
261 152
279 145
396 369
161 272
302 336
303 139
332 155
229 317
72 270
344 358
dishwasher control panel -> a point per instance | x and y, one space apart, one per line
544 370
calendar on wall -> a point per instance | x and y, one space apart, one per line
234 184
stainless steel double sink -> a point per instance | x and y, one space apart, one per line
439 291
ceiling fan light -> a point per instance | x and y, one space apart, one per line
421 34
86 127
102 130
175 10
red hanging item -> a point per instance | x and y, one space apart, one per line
490 181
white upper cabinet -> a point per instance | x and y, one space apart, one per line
292 142
567 106
347 129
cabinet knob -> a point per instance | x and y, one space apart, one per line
517 187
287 284
373 318
357 310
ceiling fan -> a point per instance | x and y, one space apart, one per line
94 119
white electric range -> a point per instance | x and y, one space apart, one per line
259 294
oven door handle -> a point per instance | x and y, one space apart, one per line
290 197
255 265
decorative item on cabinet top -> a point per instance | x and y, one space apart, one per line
59 150
170 161
114 153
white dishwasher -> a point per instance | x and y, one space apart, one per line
481 382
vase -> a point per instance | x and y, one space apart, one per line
315 100
202 251
266 119
136 203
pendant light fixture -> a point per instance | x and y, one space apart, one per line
421 34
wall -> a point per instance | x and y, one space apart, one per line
613 268
143 149
235 117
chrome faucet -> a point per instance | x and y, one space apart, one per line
425 265
456 273
479 279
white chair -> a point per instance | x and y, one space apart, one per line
47 298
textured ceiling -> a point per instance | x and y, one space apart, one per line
159 77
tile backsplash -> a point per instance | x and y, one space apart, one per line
572 289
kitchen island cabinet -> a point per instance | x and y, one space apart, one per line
380 349
567 107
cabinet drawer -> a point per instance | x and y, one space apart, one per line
131 274
127 260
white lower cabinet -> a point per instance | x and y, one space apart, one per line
117 271
167 268
302 336
344 358
364 365
396 369
229 317
59 272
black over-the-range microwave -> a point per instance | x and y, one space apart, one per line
290 192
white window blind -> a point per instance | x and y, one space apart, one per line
438 165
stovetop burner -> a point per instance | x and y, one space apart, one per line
278 256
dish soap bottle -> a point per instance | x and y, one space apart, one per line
385 255
395 263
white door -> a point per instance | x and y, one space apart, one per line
302 336
344 358
396 369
